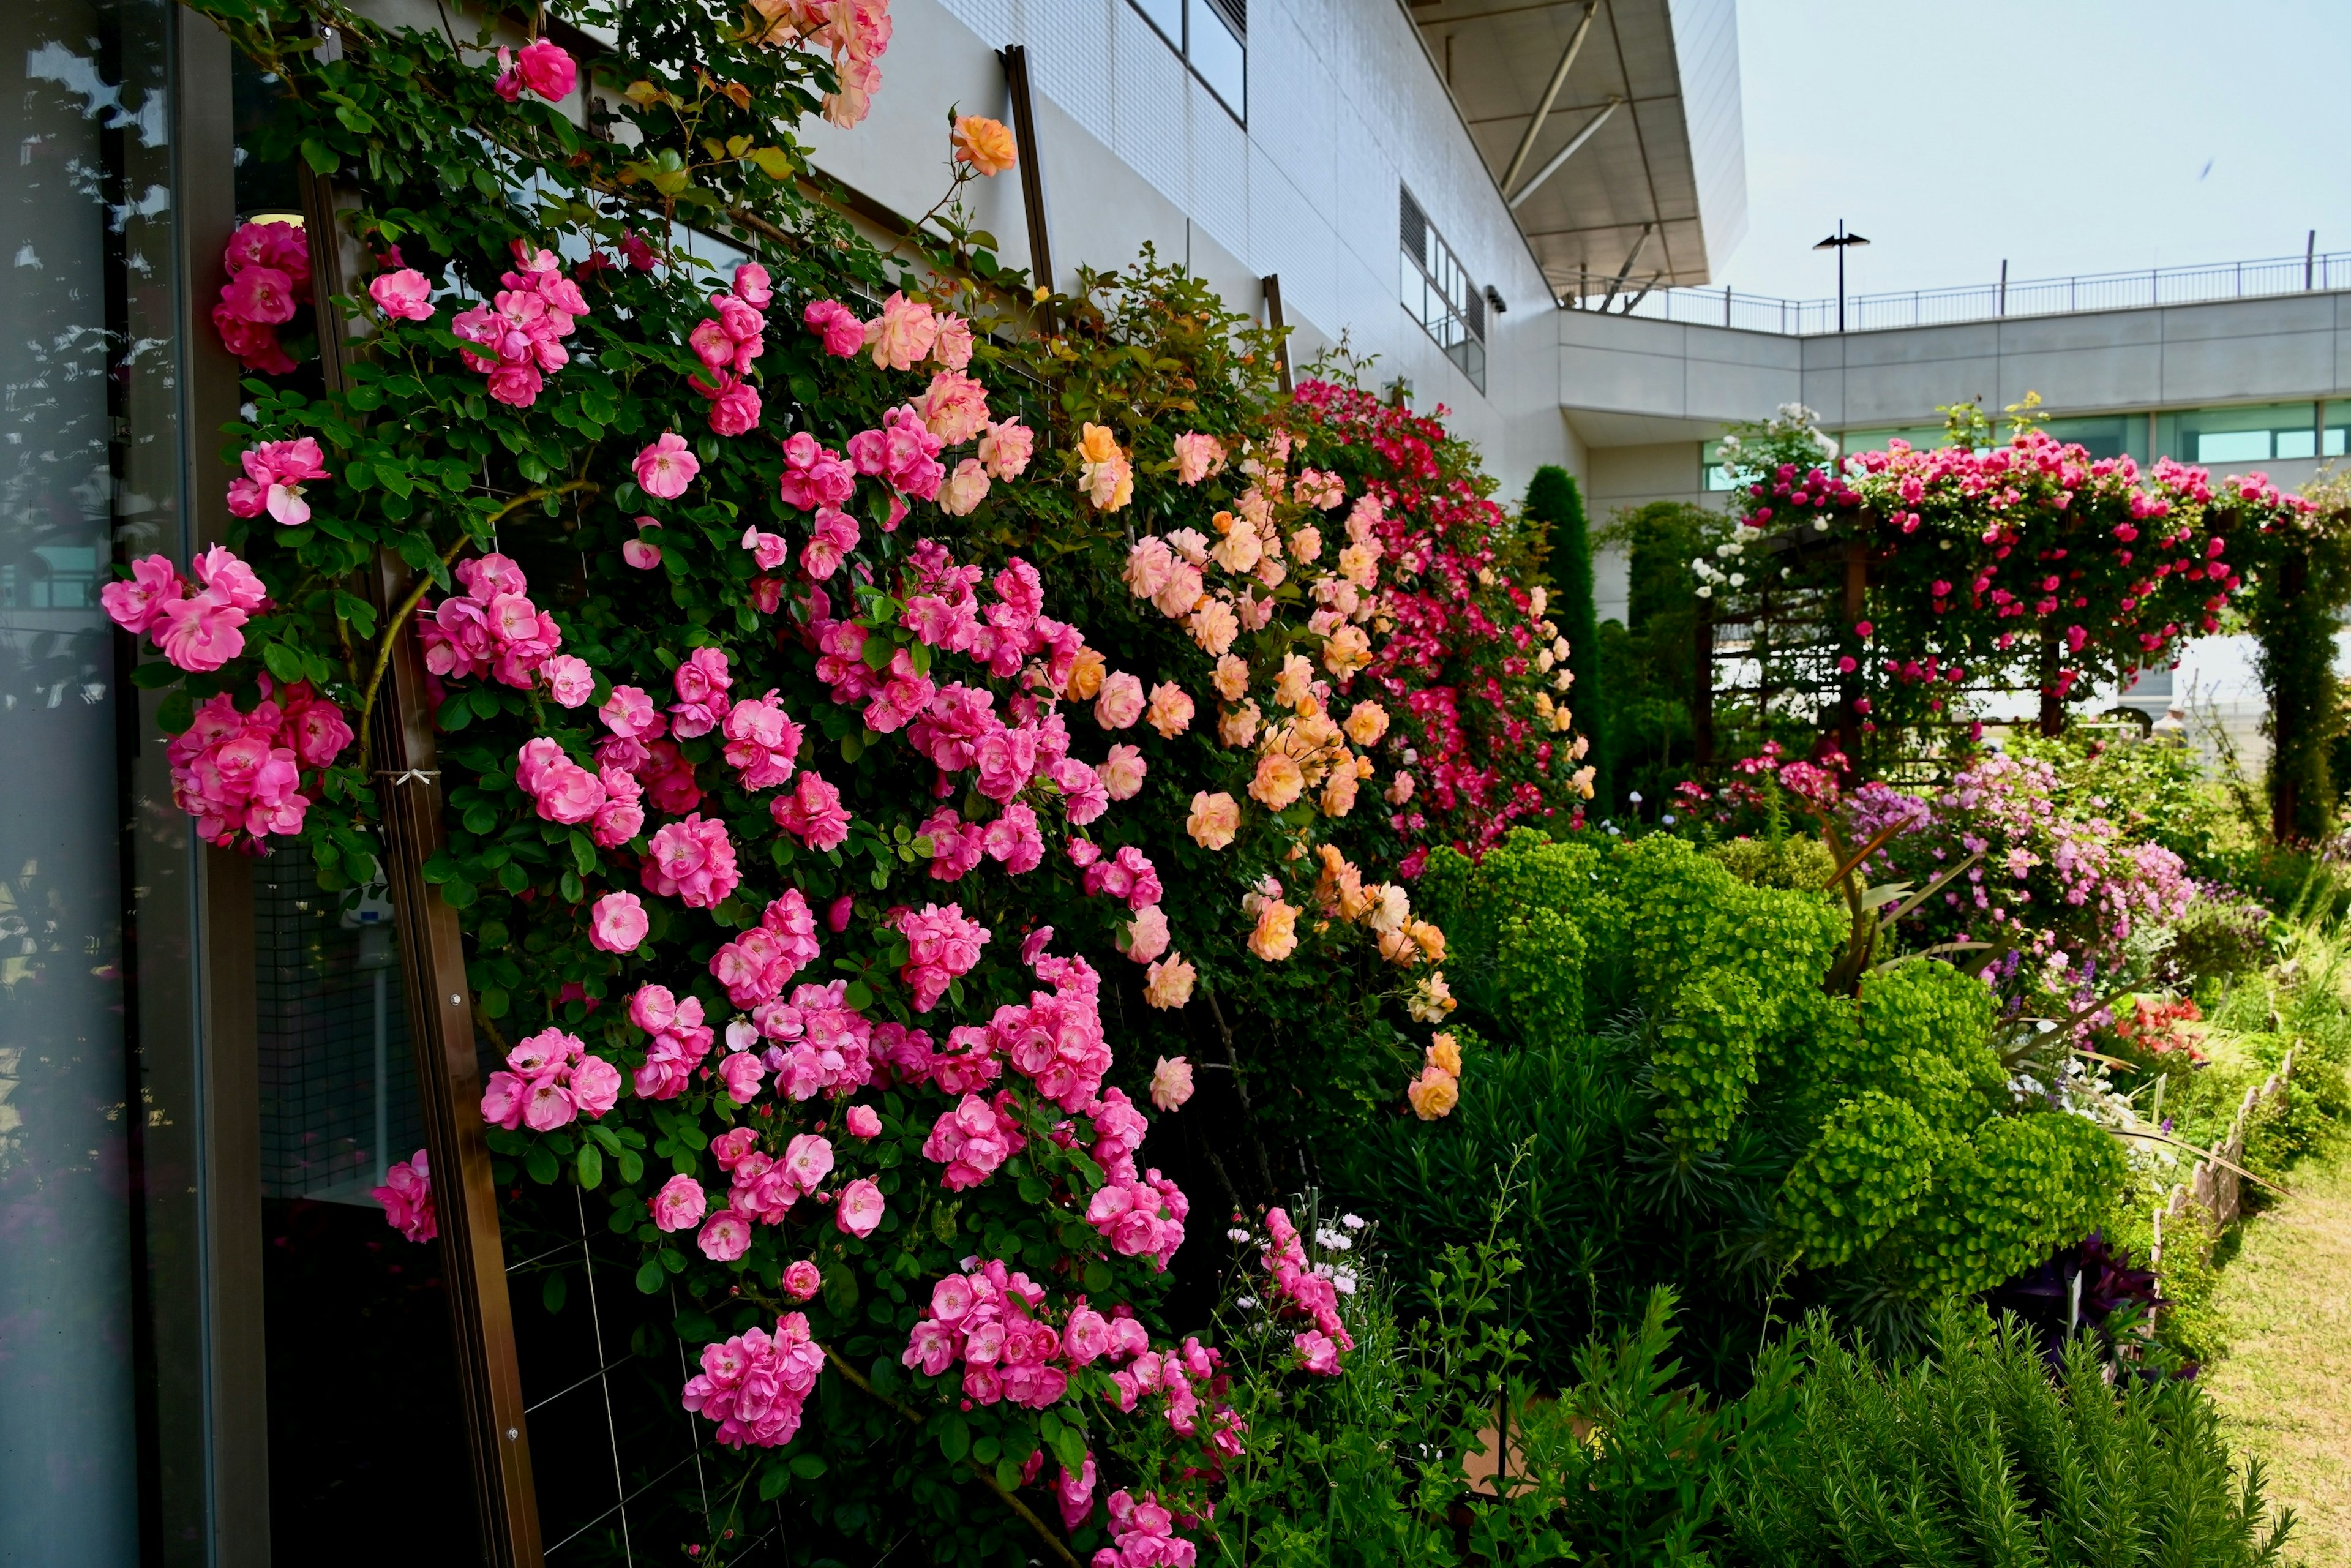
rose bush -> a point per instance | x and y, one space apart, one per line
829 780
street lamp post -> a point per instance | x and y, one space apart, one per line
1837 241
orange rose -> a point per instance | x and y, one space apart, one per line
985 144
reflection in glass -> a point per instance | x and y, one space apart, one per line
1215 48
87 442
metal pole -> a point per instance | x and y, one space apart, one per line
1840 278
2003 286
2310 260
1550 95
1726 305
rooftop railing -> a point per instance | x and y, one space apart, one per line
2309 273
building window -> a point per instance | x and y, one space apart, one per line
1436 287
2267 433
1212 37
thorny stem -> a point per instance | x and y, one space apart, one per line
986 1476
424 585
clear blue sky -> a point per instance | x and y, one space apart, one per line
2070 136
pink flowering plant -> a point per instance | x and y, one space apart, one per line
2024 565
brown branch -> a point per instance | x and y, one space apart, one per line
979 1471
424 584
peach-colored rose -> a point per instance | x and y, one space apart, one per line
1582 782
1392 909
1434 1093
1120 703
1444 1054
1271 571
1085 676
1360 564
1103 472
1345 651
1255 612
952 348
902 336
966 488
1367 722
1430 939
1196 457
1147 933
1276 936
1123 772
1214 626
1400 789
1339 792
1171 1083
1214 821
1171 710
1430 1001
1278 782
1006 448
1169 983
1238 551
1236 727
1297 676
1179 594
1305 544
1191 544
985 144
1230 679
954 407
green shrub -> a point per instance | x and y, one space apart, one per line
1972 1455
1789 862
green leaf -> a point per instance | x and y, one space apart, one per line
773 1478
648 1275
773 162
583 853
808 1466
551 1293
1069 1446
358 611
176 712
494 1002
954 1437
858 995
1007 1474
841 1291
1099 1278
591 1166
284 662
319 156
985 1449
633 1166
540 1164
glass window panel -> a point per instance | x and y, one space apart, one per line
2293 443
1220 55
2233 447
1167 16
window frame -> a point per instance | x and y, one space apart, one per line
1237 25
1467 313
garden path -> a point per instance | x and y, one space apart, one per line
2285 1389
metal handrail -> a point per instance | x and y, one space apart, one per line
2139 290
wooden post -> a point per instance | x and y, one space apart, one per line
2053 706
403 770
1032 177
1273 318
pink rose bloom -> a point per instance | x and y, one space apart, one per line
752 286
1121 702
547 1105
595 1085
1196 457
769 550
261 295
863 1122
407 1199
667 467
201 634
1006 448
811 812
1123 771
569 681
729 1147
138 604
1146 936
642 554
680 1204
1316 1352
837 913
831 536
1014 839
726 1236
701 683
691 860
965 489
1084 795
1169 983
742 1072
860 1209
802 1279
1171 710
807 1159
517 386
406 295
901 337
735 410
1171 1083
628 711
837 324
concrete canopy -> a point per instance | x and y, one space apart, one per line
1660 184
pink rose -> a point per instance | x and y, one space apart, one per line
1121 702
1171 1083
1121 772
595 1085
642 554
901 337
1006 449
736 411
618 924
680 1204
138 604
803 1280
1146 934
1171 710
837 324
726 1236
860 1209
667 467
406 295
742 1072
569 681
863 1122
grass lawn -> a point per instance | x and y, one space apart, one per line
2285 1389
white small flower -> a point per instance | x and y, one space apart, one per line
1237 1235
1247 1303
1668 819
1706 591
1351 1221
1738 580
1343 1282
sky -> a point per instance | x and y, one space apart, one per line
2068 136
